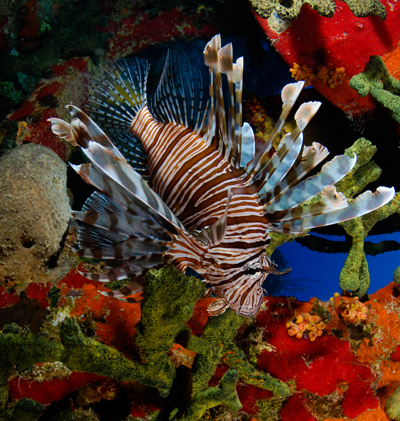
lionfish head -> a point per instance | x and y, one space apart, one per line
238 275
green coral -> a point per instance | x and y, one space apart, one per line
169 301
289 10
355 275
376 80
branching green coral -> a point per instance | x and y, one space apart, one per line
290 10
355 275
376 80
169 301
224 393
235 358
277 239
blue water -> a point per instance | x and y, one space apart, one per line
316 274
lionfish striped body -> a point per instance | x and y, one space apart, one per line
219 194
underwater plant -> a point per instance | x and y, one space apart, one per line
219 196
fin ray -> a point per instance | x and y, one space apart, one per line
364 203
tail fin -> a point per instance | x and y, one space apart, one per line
120 93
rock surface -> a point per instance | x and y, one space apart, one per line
34 217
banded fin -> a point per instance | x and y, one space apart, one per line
117 179
225 64
247 145
225 126
123 223
123 250
330 173
211 60
100 243
120 93
98 202
239 143
289 95
128 251
179 95
81 131
280 163
128 293
364 203
311 157
132 150
127 269
330 201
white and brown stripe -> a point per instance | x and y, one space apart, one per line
213 210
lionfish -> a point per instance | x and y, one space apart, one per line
213 193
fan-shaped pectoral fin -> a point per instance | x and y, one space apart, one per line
218 307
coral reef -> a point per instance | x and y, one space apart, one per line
312 41
290 10
168 303
306 360
35 216
376 80
344 373
329 375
